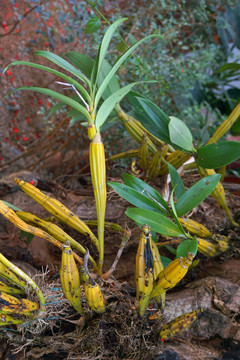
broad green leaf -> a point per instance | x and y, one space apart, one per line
213 156
105 43
196 194
65 99
109 104
55 72
134 197
133 99
81 61
165 261
11 206
158 223
93 25
180 134
147 190
116 66
176 181
187 246
152 118
63 64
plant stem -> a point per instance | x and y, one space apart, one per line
98 175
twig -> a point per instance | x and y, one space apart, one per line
126 237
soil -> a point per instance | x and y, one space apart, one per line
61 169
214 285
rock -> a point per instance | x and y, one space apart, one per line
167 355
219 299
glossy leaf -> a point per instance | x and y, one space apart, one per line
117 64
109 104
196 194
93 25
135 197
63 64
65 99
146 189
176 181
180 134
153 119
187 246
213 156
165 261
158 223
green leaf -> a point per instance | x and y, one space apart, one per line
152 118
81 61
105 43
116 66
134 197
109 104
180 134
28 235
213 156
75 116
146 189
93 25
11 206
158 223
176 181
85 64
196 194
65 99
174 214
187 246
113 84
171 249
63 64
229 66
55 108
121 47
165 261
55 72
